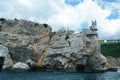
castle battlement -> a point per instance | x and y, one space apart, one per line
92 30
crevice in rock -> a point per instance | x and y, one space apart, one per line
40 61
1 62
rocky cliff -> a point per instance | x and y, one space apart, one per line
35 45
113 61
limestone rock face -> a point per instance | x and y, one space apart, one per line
97 62
7 59
36 45
24 39
73 52
31 64
20 66
113 61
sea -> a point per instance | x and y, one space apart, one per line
9 75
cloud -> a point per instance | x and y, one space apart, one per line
73 17
63 13
25 3
110 25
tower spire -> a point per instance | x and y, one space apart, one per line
94 25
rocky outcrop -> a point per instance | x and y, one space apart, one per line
7 62
113 61
20 66
38 47
31 64
74 52
25 39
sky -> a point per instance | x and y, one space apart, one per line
69 14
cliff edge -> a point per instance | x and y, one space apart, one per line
35 45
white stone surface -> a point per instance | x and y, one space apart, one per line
20 66
7 59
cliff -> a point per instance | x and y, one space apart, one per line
35 46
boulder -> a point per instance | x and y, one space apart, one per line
31 64
7 59
20 66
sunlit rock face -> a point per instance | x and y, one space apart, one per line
20 66
74 52
24 39
7 61
63 50
113 61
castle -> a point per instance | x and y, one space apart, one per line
92 30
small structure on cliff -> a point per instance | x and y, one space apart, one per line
92 30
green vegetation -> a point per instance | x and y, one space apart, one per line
67 36
2 19
0 28
45 25
15 19
53 33
110 49
69 43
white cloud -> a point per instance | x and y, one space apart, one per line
58 14
26 3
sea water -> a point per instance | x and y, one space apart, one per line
58 76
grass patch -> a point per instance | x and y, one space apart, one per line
111 49
2 19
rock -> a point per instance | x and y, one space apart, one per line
36 45
118 61
7 59
76 53
24 39
1 62
31 64
97 62
113 61
20 66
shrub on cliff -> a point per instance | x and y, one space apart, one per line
0 28
45 25
67 37
2 19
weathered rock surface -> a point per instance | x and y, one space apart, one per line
113 61
20 66
7 59
24 39
31 64
74 52
36 45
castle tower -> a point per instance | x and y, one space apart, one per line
93 28
94 25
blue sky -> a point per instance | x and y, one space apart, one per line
73 14
73 2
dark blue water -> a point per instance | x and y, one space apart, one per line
58 76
